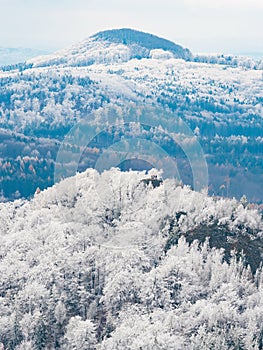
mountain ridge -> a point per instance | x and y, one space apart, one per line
14 55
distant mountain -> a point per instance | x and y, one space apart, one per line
254 55
114 46
219 97
10 56
123 45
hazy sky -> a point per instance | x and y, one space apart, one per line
202 25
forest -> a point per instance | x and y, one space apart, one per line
221 104
111 262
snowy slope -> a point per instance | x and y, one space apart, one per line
219 97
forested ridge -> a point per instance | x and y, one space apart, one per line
218 96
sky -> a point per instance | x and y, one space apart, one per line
227 26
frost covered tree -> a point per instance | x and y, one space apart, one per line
79 335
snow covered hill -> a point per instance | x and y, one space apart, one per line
218 97
102 262
113 46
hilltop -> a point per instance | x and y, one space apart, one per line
113 46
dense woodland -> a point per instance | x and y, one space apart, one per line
112 262
221 104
